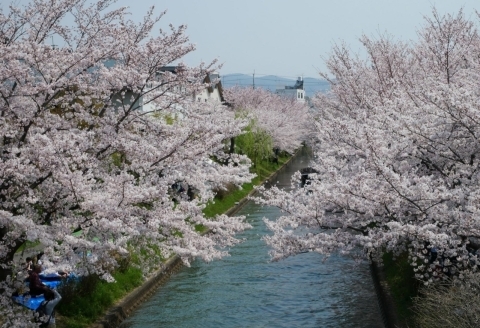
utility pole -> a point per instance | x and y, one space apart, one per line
253 79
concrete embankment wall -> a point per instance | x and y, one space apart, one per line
125 307
385 298
128 304
268 180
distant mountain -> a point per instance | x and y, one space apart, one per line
272 82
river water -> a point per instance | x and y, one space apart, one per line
246 290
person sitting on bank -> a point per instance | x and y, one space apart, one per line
28 265
52 297
63 274
35 284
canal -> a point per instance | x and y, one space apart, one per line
246 290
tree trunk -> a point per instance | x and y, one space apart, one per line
232 145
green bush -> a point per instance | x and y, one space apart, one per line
256 143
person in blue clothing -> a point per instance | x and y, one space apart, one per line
52 297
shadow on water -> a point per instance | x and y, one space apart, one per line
246 290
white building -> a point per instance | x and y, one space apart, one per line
296 92
214 92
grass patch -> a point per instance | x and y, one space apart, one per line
403 285
263 169
84 301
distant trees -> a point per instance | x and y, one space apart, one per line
76 154
284 120
398 158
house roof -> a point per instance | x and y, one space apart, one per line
171 69
298 85
209 79
174 69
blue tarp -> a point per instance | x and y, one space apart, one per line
51 280
28 301
52 284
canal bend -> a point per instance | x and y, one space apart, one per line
247 290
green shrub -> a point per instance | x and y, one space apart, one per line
256 143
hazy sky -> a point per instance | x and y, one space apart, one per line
288 38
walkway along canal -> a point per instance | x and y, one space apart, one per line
246 290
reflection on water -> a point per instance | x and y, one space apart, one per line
246 290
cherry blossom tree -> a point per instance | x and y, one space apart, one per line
397 160
82 167
284 119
